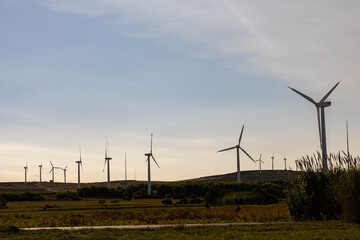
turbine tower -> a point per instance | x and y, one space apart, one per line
150 155
272 161
125 170
285 162
320 107
238 154
107 159
52 170
26 169
79 163
347 140
40 166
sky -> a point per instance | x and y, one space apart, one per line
75 74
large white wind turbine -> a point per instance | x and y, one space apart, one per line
150 155
320 107
79 163
107 159
26 169
238 154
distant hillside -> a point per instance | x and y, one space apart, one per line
246 176
249 176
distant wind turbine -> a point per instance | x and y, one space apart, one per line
52 170
79 163
260 161
26 169
125 170
40 166
150 155
64 169
347 140
107 159
320 107
285 162
272 161
238 154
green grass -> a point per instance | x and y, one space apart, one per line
280 231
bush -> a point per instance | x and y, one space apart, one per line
182 201
195 201
311 196
167 201
348 194
68 196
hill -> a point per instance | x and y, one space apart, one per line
246 176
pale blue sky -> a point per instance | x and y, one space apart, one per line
78 73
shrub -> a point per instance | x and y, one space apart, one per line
68 196
167 201
195 201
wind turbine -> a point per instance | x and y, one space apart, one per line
26 169
107 159
285 162
260 161
272 161
150 155
40 166
125 170
79 163
347 140
52 170
320 107
238 154
64 169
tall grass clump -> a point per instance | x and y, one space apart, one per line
326 195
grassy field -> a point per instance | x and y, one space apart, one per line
145 211
279 231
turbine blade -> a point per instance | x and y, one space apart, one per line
81 166
247 154
66 167
51 170
319 125
105 150
226 149
326 96
303 95
241 134
155 161
51 164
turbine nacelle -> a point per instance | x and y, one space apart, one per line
148 154
323 104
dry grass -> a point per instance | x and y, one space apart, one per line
146 216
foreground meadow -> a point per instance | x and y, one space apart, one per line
136 212
280 231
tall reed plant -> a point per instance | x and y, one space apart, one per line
326 195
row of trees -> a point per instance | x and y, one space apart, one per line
212 192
